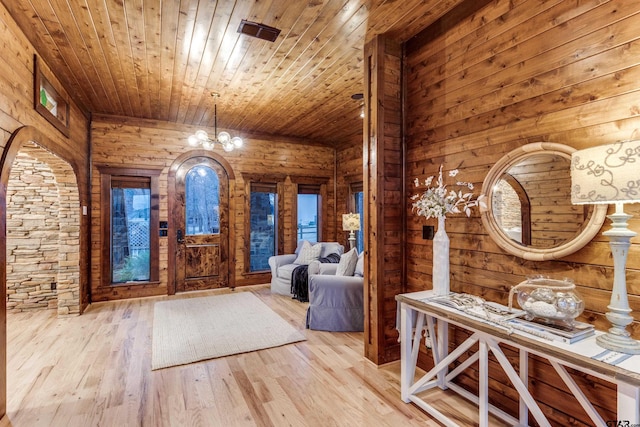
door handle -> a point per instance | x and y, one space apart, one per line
180 237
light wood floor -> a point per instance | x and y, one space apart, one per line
94 370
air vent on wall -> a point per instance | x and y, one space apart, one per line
260 31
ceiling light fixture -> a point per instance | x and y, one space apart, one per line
359 97
201 137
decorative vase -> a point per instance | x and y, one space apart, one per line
441 259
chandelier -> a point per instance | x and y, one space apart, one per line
201 137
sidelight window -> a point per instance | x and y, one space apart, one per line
129 226
264 225
309 209
130 229
357 206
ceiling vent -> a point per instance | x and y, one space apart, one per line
260 31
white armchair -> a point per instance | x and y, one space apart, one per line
282 266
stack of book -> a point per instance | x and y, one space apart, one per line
552 331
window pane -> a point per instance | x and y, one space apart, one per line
263 230
359 199
308 217
203 201
130 231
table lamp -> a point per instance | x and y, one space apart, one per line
351 223
602 175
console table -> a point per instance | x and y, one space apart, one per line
418 312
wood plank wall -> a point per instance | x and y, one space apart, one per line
511 73
17 111
383 189
348 172
124 142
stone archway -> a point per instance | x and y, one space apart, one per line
42 232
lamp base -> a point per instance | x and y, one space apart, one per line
352 240
619 314
619 343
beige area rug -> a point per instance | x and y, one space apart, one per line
193 329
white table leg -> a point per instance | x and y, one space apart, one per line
524 377
443 350
629 404
483 386
407 366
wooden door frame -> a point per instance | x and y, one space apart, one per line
171 196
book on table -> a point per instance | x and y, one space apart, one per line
555 331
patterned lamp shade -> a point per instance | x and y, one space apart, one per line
606 174
351 222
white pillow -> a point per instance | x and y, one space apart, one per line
308 253
300 245
347 264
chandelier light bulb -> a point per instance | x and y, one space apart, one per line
202 135
224 137
208 144
193 141
228 146
237 141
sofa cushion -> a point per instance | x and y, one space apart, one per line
308 253
359 272
285 271
347 264
327 248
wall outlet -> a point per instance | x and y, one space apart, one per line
427 232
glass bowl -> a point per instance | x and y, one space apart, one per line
548 300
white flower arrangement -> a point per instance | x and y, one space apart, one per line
437 202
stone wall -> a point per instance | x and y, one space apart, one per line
43 234
32 236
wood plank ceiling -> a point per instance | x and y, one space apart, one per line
162 59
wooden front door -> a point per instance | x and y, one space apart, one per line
202 225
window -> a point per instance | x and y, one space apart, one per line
356 205
309 210
263 214
129 223
202 187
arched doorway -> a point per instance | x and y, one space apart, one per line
67 171
201 233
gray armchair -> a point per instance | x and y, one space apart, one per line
336 303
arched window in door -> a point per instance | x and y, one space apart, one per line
202 188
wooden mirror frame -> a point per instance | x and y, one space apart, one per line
592 227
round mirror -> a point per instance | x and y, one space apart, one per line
529 212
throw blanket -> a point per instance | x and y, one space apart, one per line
300 278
